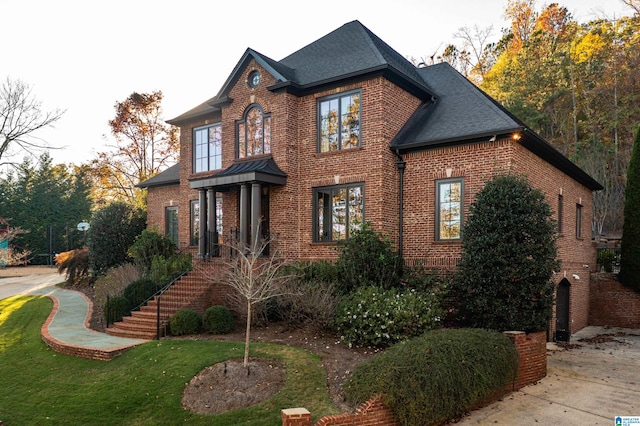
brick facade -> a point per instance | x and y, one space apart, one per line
386 107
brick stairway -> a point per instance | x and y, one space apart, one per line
190 291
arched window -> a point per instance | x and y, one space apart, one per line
254 133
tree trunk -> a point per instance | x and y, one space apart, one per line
246 336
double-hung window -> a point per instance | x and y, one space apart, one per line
337 211
449 209
339 120
253 133
207 148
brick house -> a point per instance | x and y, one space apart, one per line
346 130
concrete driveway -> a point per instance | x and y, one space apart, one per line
590 381
11 285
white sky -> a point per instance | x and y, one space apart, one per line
84 56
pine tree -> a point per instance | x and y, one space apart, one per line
630 249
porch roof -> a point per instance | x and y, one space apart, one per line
261 170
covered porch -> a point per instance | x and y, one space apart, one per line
252 179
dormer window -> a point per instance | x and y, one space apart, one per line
254 133
339 122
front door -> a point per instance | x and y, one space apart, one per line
562 311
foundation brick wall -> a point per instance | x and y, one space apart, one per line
613 304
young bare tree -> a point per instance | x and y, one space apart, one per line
21 116
256 277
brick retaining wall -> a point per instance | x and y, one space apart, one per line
612 304
531 347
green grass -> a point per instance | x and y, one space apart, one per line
142 387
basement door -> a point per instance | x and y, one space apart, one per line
562 311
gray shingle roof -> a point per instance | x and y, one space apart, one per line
171 176
462 113
351 51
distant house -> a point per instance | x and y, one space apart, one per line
346 130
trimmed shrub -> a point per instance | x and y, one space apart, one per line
374 316
139 291
437 377
366 259
116 308
218 320
149 244
503 281
185 321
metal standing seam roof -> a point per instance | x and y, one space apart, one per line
261 170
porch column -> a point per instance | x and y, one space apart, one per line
202 223
256 215
244 207
212 235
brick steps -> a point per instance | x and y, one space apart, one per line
143 324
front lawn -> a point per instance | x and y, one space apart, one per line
143 386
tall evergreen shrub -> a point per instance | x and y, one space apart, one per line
113 230
630 249
509 255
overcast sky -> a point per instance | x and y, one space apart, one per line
83 56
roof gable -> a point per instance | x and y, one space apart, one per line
351 51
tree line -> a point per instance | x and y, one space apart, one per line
575 84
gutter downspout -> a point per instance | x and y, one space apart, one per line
400 165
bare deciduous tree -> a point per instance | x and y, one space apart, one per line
256 278
21 116
13 256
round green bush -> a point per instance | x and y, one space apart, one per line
185 321
372 316
437 377
139 291
218 320
116 308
